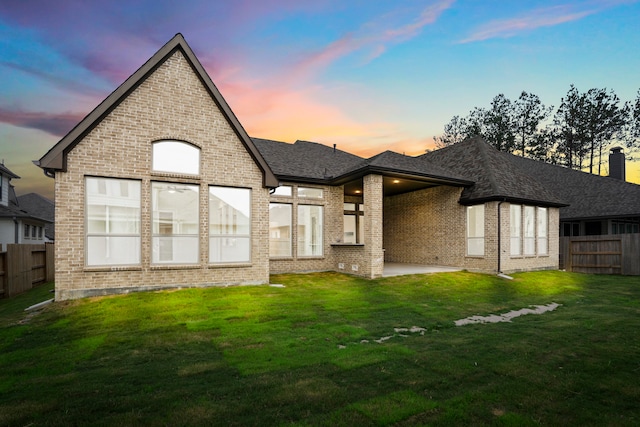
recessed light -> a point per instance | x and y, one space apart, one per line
396 181
358 191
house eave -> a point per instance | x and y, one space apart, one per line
517 200
398 173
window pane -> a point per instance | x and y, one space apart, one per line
283 190
229 216
175 249
349 206
229 211
529 231
175 223
515 226
176 157
349 229
229 249
310 230
113 250
310 193
113 221
279 230
475 230
542 222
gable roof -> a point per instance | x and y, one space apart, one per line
56 158
589 196
6 172
15 210
495 176
306 161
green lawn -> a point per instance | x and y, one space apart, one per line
324 350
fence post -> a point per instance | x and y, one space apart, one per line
50 262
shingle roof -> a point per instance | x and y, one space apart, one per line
305 160
312 162
5 171
588 195
495 176
396 162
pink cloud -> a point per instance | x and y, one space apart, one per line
544 17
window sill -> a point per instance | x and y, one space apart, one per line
175 175
231 265
348 244
283 258
109 268
309 258
175 267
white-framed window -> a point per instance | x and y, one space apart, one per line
112 226
310 193
280 230
175 223
283 190
515 228
310 237
542 228
529 230
229 224
475 230
175 157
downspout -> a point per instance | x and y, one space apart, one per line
499 236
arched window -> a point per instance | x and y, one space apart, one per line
176 157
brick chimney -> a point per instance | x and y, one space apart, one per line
616 164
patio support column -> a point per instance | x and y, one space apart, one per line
373 206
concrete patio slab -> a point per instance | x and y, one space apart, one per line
399 269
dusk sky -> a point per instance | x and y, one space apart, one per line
367 75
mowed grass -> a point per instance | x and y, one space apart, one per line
324 350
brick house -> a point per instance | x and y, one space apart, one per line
161 187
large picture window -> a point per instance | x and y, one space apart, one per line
310 241
113 221
229 225
176 157
279 230
175 224
475 230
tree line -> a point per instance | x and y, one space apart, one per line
576 134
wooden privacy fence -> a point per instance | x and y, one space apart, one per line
23 266
611 254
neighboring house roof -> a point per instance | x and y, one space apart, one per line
495 177
56 158
6 172
589 196
13 210
41 207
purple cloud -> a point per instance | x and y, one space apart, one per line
52 123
